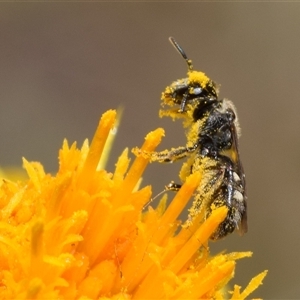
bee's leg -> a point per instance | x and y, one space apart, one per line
168 156
172 155
183 102
172 186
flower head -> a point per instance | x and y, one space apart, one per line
83 233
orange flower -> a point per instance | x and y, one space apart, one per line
83 234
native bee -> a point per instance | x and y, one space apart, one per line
212 147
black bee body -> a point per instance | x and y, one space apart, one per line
212 148
218 141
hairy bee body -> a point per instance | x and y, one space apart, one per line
216 154
212 147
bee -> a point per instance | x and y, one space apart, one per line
212 147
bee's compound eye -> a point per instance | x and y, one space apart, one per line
204 151
197 91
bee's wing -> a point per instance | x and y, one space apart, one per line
238 168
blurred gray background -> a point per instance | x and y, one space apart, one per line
63 64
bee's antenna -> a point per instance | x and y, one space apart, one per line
182 53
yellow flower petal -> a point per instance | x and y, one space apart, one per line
86 233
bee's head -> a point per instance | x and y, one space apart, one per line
190 91
201 86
